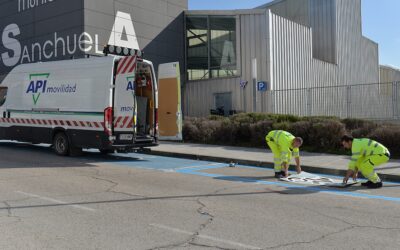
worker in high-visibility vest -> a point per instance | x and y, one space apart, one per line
366 155
283 145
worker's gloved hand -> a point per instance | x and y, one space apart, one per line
355 175
286 173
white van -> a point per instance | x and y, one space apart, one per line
109 103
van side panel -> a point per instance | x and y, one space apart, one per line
71 96
75 85
66 95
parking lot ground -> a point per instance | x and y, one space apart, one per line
138 201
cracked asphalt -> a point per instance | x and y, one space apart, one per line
139 201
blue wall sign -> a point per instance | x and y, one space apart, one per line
262 86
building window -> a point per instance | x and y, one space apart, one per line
3 95
223 103
223 46
211 47
197 47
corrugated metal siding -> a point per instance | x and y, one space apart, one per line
293 64
388 74
357 55
294 10
323 23
253 40
389 87
252 35
199 95
336 35
368 101
294 67
317 14
285 58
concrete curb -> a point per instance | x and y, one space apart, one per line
262 164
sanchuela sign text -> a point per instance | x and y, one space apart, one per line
61 46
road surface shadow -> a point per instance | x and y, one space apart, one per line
25 155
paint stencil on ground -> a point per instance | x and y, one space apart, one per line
312 179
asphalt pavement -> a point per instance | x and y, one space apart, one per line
141 201
311 162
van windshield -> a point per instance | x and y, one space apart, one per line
3 95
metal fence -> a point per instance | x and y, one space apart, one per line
378 101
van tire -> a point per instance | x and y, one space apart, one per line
61 144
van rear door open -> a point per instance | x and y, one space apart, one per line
125 108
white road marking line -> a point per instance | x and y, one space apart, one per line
232 243
55 201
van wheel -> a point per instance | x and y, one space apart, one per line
61 144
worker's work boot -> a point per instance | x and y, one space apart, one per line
279 175
375 185
366 184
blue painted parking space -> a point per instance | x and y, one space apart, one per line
159 162
199 168
311 189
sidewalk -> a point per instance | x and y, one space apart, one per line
310 162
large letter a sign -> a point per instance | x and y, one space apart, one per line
123 33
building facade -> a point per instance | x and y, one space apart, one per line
389 74
281 46
45 30
288 56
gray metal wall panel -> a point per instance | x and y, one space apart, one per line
357 55
388 74
389 87
199 95
158 25
181 3
357 62
317 14
36 25
323 23
301 83
293 67
253 42
295 10
253 37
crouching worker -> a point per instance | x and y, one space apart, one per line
283 145
366 155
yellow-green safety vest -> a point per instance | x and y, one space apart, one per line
364 147
284 140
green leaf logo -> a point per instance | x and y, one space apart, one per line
35 98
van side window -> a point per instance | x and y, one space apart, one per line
3 95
